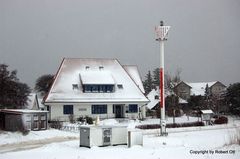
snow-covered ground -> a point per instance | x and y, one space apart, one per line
207 142
17 137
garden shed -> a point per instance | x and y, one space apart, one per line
206 115
23 119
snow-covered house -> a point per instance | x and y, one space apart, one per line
32 102
154 99
215 88
187 89
30 118
95 87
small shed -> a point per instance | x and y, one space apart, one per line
206 116
23 119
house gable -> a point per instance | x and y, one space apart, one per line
75 73
217 88
133 72
182 89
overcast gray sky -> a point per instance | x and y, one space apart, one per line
203 41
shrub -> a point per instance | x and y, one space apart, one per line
86 119
89 120
221 120
81 119
71 118
25 132
56 124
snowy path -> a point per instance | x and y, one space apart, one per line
27 145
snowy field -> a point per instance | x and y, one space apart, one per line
207 142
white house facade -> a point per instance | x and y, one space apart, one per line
96 87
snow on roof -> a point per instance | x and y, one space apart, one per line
133 72
199 88
68 74
32 102
207 111
20 111
155 92
41 105
97 77
153 101
182 101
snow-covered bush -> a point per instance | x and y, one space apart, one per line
86 119
56 124
221 120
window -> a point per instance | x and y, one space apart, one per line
98 88
28 122
99 109
156 97
68 109
101 67
43 122
132 108
87 67
109 88
120 86
94 88
35 122
74 86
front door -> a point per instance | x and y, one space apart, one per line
118 111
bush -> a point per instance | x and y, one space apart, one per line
221 120
86 119
71 118
178 113
81 119
89 120
56 124
24 131
175 125
150 113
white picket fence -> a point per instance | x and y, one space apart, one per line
71 127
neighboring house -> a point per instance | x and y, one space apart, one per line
32 102
153 97
95 87
23 119
185 90
30 118
215 88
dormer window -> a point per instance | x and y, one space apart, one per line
74 86
120 86
96 88
87 67
101 68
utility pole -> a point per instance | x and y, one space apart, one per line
162 32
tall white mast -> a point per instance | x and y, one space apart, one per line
162 32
